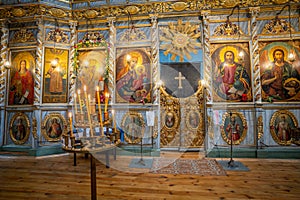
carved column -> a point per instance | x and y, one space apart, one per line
255 54
111 55
207 56
4 58
72 75
39 58
155 73
155 57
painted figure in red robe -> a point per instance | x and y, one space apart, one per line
233 129
22 86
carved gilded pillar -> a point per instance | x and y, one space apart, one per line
4 58
39 58
155 57
255 54
207 57
72 76
111 54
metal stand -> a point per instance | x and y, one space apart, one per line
141 161
231 162
93 179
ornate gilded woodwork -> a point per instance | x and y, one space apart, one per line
34 128
4 58
180 39
170 118
234 125
54 126
57 36
155 57
57 12
207 56
174 7
194 131
132 9
19 128
260 127
39 58
133 125
133 34
23 35
282 124
278 26
228 29
255 53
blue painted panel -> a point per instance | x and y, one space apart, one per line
167 59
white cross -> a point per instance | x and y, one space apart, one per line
180 78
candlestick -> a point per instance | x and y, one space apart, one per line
99 110
71 126
75 103
89 101
88 110
79 99
106 102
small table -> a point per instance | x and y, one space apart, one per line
93 152
92 148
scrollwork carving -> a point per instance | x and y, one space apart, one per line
170 116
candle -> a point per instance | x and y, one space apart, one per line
71 126
79 102
99 109
88 110
89 101
114 121
75 103
106 102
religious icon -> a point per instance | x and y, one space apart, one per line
234 127
133 125
21 88
19 128
53 126
282 124
169 119
91 70
193 119
133 77
231 69
55 76
280 76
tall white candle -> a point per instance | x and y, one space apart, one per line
79 99
99 110
88 110
71 125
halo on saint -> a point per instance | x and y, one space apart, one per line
133 54
228 48
139 69
271 58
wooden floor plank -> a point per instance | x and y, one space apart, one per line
55 177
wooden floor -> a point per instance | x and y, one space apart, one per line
55 177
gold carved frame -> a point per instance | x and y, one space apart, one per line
241 120
47 122
292 123
132 123
24 127
170 108
194 133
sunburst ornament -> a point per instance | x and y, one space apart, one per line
180 40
